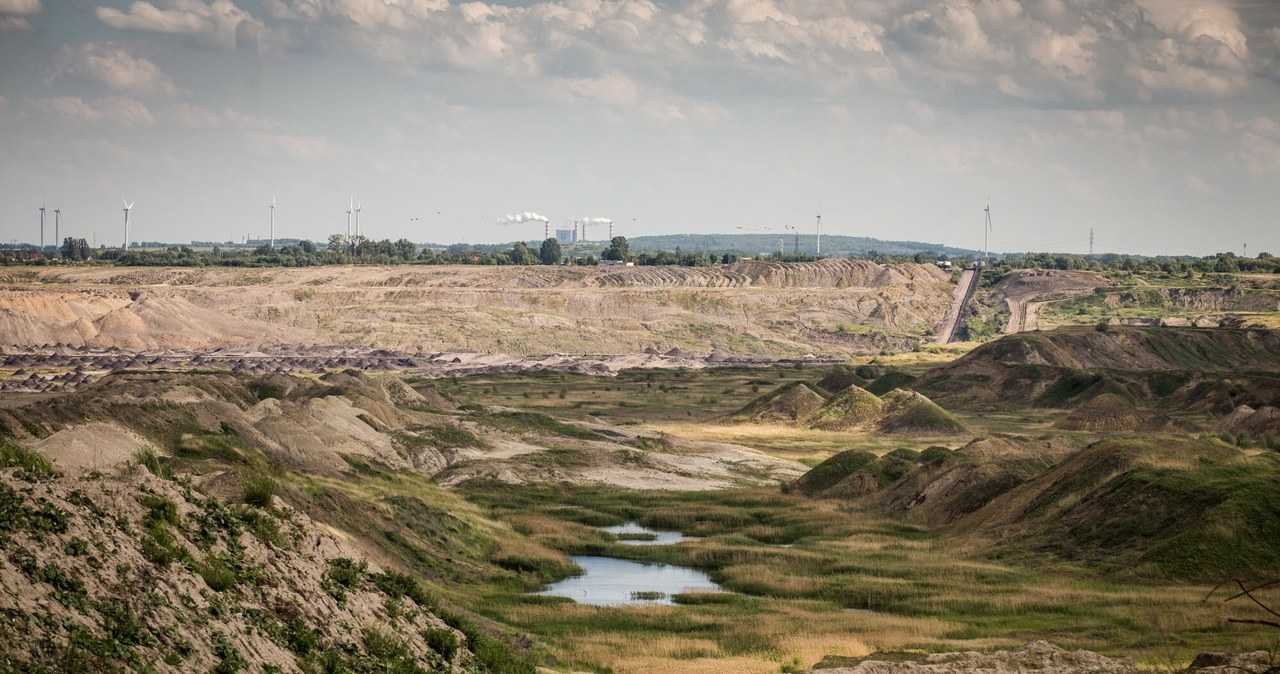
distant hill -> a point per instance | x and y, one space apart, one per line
765 244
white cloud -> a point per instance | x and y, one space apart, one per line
1198 185
114 67
124 112
21 7
216 20
299 146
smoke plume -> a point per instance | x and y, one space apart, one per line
527 216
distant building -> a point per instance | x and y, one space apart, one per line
945 264
567 235
614 263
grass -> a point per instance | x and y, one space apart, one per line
921 594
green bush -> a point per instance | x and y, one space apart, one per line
33 466
152 462
442 640
259 490
343 574
217 575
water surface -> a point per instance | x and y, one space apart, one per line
659 537
610 582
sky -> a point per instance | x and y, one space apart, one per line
1155 123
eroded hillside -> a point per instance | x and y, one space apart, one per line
749 308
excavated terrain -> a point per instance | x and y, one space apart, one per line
748 308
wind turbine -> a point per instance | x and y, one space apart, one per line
350 205
358 231
127 207
42 228
273 220
57 225
986 252
818 252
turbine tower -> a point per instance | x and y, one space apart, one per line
358 230
127 207
818 252
273 220
41 228
350 206
986 252
57 225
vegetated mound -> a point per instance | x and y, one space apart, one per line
1106 413
139 573
308 424
910 412
830 472
1193 369
854 473
853 407
1261 422
888 381
947 488
794 402
1160 507
840 378
1135 348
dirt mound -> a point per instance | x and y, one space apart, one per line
909 412
1038 656
135 321
1104 413
94 446
138 572
794 402
851 408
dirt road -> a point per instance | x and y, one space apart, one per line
960 297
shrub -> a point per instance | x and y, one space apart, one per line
151 461
217 575
1102 326
343 574
259 490
33 465
442 640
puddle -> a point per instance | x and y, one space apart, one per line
659 537
612 582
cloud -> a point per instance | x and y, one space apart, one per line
1198 185
216 21
298 146
123 112
14 13
113 67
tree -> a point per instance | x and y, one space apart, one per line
335 243
550 252
74 249
618 249
520 253
405 249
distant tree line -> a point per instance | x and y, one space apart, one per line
359 250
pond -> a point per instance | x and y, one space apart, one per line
634 534
608 581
